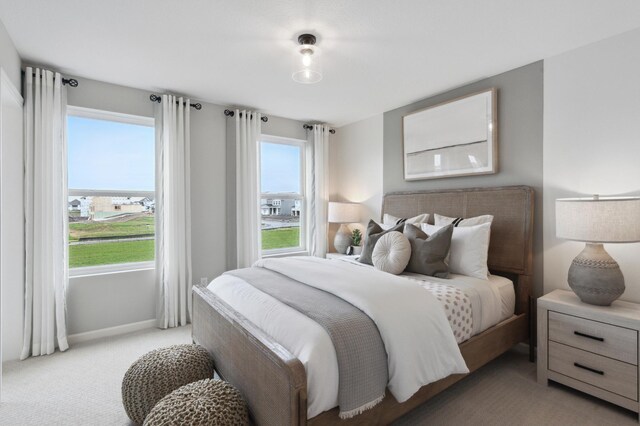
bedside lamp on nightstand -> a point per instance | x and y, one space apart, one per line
343 213
594 276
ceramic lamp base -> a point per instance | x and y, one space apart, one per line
595 277
342 240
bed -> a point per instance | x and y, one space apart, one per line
274 381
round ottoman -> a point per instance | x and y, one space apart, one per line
203 403
160 372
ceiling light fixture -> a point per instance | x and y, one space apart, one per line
306 60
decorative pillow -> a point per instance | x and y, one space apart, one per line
371 236
391 253
458 221
389 219
428 252
469 249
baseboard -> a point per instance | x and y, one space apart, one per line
110 331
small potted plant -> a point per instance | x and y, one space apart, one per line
356 239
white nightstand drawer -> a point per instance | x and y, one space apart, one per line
605 339
605 373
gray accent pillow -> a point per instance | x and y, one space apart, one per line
371 236
428 252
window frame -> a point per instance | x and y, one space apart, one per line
302 249
95 114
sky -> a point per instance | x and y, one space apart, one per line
279 167
110 155
118 156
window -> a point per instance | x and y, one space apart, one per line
111 178
282 184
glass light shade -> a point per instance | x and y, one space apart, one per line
306 64
343 212
602 220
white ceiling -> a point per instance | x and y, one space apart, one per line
377 54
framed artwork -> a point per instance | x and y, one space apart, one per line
455 138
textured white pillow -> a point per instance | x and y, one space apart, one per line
441 220
469 249
392 253
389 219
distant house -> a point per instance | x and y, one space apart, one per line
104 207
80 207
74 208
270 207
297 206
148 204
279 207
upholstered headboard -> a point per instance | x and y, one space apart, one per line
511 246
510 250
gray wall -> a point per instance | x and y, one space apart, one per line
101 301
9 58
276 126
11 205
591 144
110 300
520 129
355 162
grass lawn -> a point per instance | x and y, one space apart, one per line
111 252
108 253
280 238
139 226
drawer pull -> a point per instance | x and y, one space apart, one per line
599 339
593 370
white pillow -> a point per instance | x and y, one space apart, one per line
389 219
392 253
469 249
458 221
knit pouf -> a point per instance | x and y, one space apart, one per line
160 372
203 403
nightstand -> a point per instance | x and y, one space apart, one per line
593 349
340 255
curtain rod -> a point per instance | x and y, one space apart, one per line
72 82
230 113
155 98
310 127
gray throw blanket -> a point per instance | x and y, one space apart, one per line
362 358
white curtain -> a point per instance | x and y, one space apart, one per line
173 212
248 130
318 189
46 273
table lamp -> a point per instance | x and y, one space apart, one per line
343 213
594 276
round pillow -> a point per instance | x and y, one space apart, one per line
391 253
203 403
160 372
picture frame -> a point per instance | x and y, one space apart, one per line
453 138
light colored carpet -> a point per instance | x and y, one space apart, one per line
82 387
505 392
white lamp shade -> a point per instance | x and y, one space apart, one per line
603 220
344 212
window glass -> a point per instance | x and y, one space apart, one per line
110 155
111 203
282 200
280 168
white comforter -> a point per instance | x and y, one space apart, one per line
420 345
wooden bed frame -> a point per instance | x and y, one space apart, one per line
273 381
